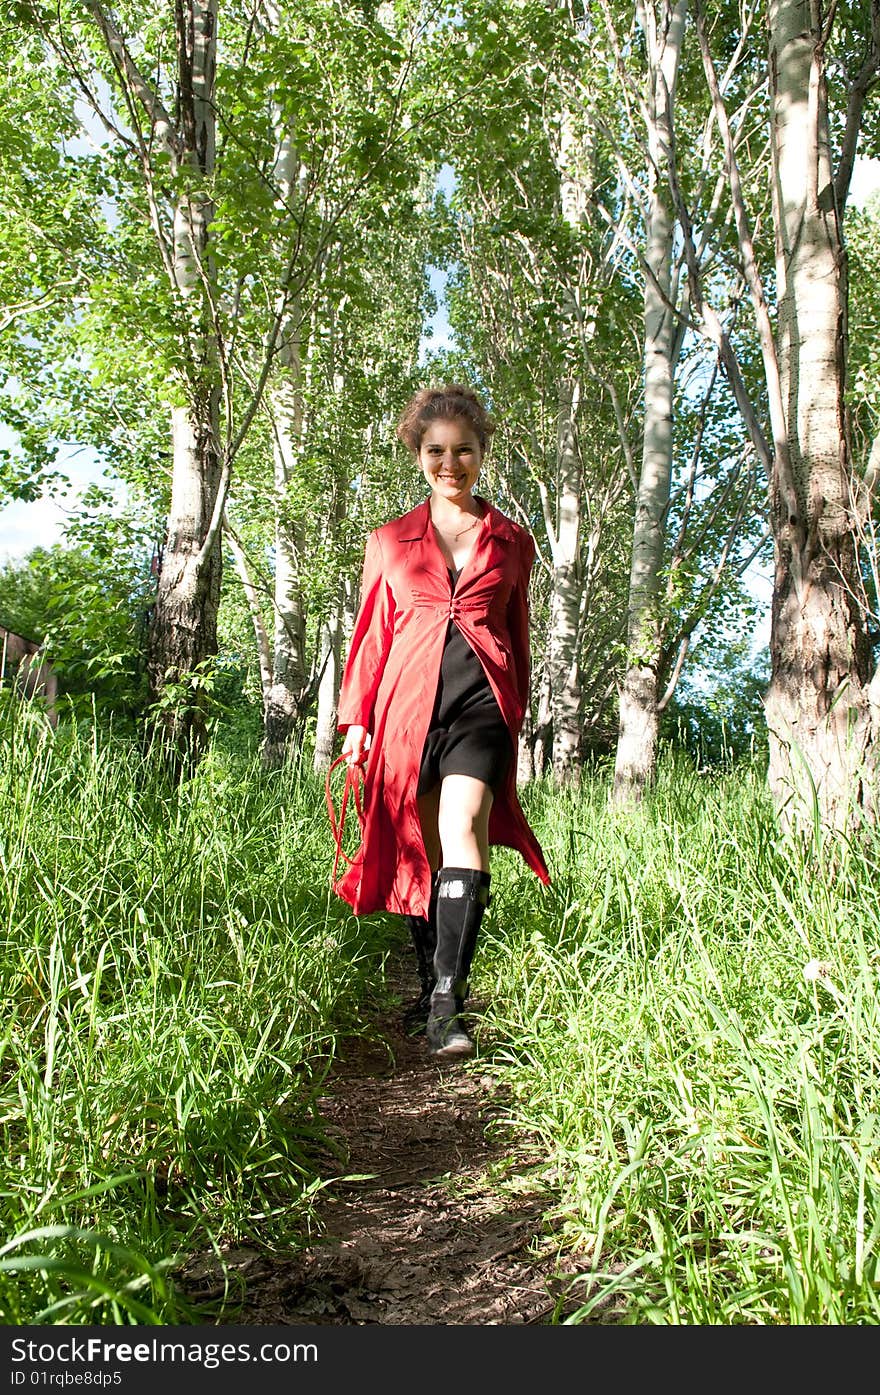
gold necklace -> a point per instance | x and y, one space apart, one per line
444 534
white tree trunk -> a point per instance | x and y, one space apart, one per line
183 630
636 755
289 678
818 706
525 760
542 737
565 594
328 689
284 708
564 529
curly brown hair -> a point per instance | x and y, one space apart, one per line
447 402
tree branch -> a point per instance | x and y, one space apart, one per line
161 124
866 78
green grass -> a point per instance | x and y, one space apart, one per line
176 974
708 1112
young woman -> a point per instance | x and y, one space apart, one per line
432 701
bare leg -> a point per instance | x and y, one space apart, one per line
428 811
463 822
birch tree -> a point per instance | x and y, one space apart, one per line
183 632
168 131
695 516
822 703
663 31
285 691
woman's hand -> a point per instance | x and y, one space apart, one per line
356 745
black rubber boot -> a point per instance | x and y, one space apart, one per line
424 937
462 898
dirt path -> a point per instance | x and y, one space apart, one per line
444 1226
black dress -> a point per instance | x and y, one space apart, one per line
467 735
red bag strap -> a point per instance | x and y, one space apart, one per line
352 788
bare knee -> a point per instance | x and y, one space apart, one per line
463 822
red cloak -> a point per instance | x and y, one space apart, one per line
390 682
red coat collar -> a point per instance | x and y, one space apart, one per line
413 526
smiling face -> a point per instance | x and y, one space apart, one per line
450 457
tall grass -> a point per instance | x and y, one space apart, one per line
687 1019
689 1022
174 975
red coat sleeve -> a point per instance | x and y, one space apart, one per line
518 619
370 643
